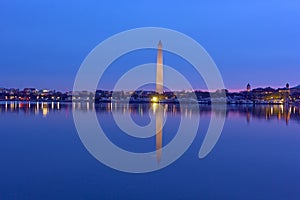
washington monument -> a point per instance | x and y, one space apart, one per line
159 70
159 112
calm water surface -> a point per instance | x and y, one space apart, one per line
42 157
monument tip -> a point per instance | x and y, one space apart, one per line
159 44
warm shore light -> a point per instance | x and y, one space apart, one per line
154 99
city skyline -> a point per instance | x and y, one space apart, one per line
149 88
268 95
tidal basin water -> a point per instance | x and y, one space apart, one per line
42 157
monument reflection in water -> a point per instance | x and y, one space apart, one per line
159 129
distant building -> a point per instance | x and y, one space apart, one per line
248 88
3 90
267 90
285 93
30 91
285 90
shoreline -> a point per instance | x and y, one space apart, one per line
149 102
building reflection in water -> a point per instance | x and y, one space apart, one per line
266 112
270 112
45 109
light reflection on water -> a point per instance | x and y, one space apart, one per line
267 112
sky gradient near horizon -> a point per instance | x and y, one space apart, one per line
42 43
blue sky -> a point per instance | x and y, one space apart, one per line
42 43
